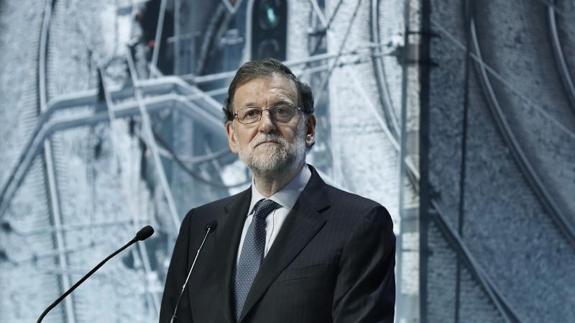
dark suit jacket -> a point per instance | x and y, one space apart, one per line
332 261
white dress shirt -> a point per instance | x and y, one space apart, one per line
286 197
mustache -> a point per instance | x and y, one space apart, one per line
263 138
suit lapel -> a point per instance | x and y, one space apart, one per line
300 226
228 238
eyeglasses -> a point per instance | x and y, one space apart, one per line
282 113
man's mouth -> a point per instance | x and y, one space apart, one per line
268 142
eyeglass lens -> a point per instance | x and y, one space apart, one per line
279 113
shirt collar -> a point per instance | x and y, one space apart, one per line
288 195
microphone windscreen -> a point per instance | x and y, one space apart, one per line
144 233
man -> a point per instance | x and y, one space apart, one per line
290 248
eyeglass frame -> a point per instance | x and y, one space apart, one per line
237 117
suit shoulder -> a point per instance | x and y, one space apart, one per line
354 209
209 211
217 204
341 198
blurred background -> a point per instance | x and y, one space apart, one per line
458 116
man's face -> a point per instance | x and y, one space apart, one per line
269 147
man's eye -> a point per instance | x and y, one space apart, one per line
253 113
282 109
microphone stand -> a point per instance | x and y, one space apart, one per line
209 228
144 233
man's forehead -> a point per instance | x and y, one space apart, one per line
274 84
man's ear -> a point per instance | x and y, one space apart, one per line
310 131
232 139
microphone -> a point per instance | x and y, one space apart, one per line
143 234
210 227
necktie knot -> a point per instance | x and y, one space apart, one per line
264 207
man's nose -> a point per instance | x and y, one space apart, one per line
266 124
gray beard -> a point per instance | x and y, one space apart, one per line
273 160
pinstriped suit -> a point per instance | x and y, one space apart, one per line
332 261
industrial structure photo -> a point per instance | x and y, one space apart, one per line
457 116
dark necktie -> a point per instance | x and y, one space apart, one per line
252 252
